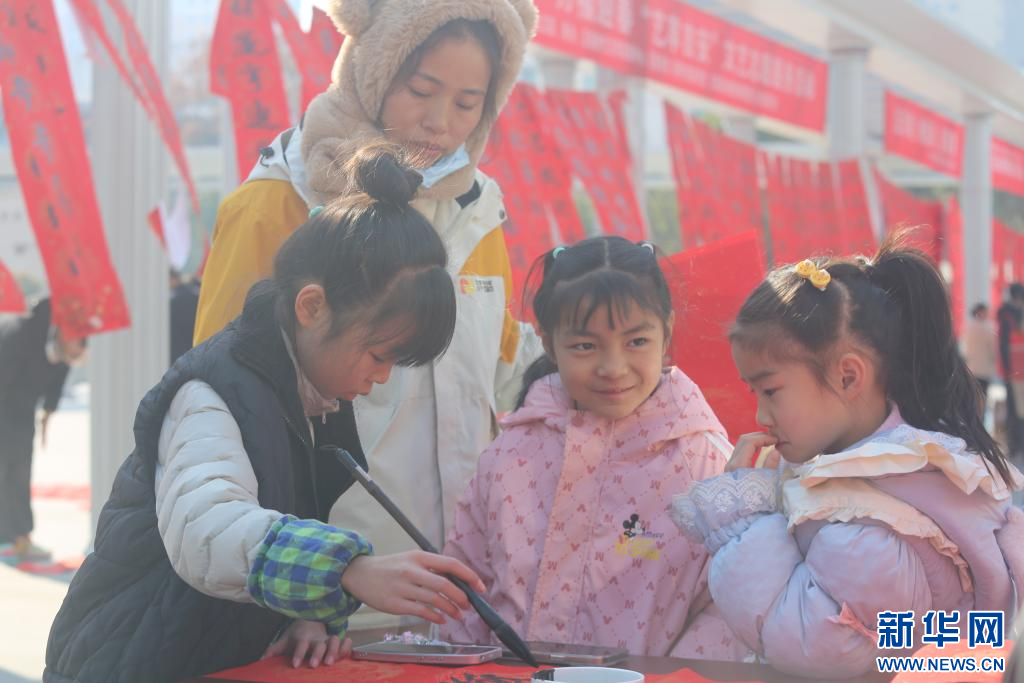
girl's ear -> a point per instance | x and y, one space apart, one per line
854 375
311 306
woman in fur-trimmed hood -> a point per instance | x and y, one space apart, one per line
431 75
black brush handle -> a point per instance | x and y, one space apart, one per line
506 634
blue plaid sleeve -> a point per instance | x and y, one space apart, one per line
298 568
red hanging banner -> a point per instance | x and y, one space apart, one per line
11 298
854 215
142 81
308 49
683 47
1007 167
716 180
535 181
53 170
921 135
708 285
816 208
153 89
584 135
325 40
901 209
245 69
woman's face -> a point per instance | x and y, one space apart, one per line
434 110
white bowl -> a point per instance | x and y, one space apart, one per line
596 674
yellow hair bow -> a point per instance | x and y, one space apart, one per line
819 277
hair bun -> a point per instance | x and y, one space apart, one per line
381 171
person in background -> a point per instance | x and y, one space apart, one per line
34 360
1010 319
184 302
980 347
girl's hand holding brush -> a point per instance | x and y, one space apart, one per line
411 583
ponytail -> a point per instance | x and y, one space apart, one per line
926 376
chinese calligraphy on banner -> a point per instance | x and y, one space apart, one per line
245 69
48 146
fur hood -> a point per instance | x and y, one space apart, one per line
380 35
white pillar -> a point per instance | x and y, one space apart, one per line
130 170
847 110
848 124
634 114
976 204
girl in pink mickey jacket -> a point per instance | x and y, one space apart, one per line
566 519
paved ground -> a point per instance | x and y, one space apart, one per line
29 602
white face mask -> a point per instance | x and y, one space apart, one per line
445 166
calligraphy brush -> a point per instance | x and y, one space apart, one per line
506 634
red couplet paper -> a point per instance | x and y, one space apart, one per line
53 169
919 134
536 181
1007 167
858 236
816 208
310 50
153 89
683 47
140 77
279 670
708 285
11 298
716 180
245 69
902 210
585 136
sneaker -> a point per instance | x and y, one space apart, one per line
24 551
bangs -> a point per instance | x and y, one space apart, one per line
416 320
574 303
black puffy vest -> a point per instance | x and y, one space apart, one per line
128 617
